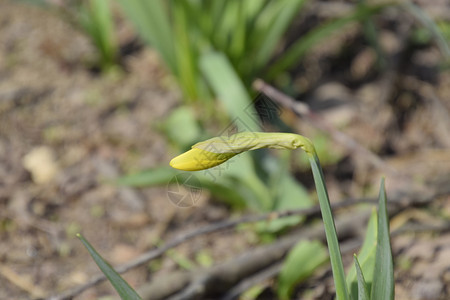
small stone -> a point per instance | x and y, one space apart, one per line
421 250
427 290
40 162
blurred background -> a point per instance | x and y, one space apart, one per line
97 96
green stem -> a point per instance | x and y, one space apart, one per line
330 229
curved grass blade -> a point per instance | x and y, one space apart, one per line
431 26
299 48
122 287
96 19
150 177
366 257
153 24
363 293
300 263
228 87
271 24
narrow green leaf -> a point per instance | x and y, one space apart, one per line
238 38
96 19
300 263
253 9
102 13
290 195
363 293
217 14
152 22
383 281
239 174
228 87
281 14
202 13
312 38
182 117
186 55
227 25
236 184
330 229
430 25
125 291
371 34
151 177
366 257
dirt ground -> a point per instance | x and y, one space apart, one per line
65 129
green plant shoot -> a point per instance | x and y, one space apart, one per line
215 151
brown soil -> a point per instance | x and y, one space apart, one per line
81 127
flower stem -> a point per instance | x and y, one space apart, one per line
330 229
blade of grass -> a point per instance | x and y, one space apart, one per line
371 34
253 9
241 173
185 55
366 257
224 26
300 263
217 15
182 117
155 176
96 19
428 23
152 22
238 39
203 27
383 281
122 287
272 23
228 87
291 195
238 185
330 229
299 48
363 293
287 193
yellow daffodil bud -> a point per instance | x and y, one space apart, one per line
213 152
198 159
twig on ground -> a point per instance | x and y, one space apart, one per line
22 282
440 115
304 111
417 228
249 282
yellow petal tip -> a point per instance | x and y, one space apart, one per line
198 159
